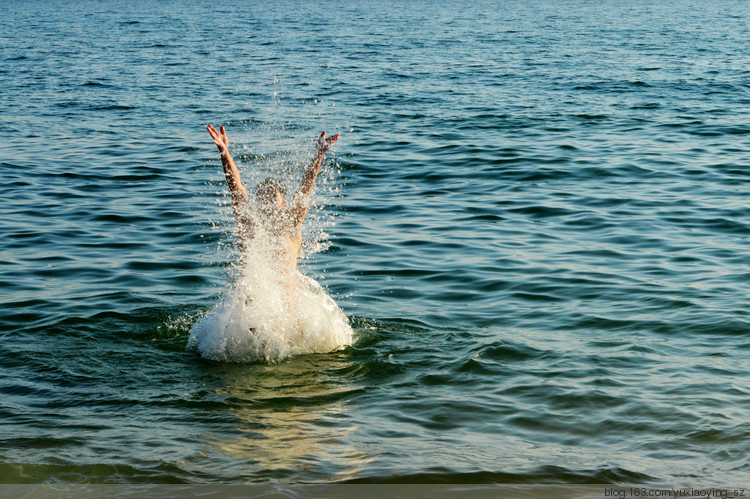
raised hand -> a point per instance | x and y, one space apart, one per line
325 144
220 139
232 174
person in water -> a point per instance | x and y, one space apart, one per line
272 214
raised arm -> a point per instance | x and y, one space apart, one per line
232 174
301 199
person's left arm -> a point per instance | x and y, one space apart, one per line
232 174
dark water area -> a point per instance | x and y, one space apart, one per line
536 221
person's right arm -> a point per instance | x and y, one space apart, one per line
301 198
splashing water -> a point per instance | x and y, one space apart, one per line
269 310
256 321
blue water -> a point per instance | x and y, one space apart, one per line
536 222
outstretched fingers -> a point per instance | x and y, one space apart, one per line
325 143
214 134
220 139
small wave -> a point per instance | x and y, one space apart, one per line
542 474
96 84
112 107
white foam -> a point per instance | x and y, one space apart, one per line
268 314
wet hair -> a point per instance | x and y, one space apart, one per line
268 187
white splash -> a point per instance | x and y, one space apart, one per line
258 320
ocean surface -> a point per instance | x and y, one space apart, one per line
536 221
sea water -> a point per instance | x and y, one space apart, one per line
535 223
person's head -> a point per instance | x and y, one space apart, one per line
270 195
